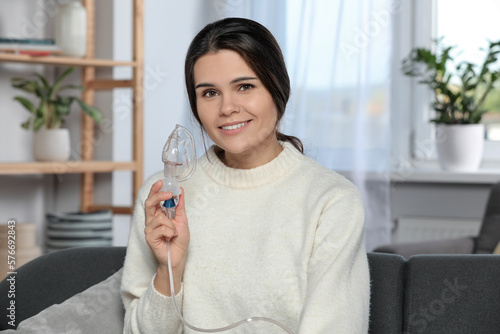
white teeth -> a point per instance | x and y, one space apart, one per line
234 127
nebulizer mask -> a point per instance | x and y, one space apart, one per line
179 159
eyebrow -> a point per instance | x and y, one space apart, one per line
206 84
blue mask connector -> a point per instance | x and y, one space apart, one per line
169 206
169 203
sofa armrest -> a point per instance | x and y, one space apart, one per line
450 246
387 275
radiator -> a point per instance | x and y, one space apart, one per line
415 229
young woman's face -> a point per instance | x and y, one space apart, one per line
235 108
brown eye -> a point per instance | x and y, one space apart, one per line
210 93
246 87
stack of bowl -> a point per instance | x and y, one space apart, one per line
69 230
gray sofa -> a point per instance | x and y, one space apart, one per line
424 294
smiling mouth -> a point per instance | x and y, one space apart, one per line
235 126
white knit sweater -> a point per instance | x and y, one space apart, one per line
284 241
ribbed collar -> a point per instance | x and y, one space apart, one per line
254 177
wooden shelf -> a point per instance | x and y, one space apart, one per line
62 167
121 210
63 61
87 166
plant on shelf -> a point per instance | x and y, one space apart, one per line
456 101
460 93
51 142
52 107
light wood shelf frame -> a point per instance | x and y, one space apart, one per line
63 61
65 167
88 64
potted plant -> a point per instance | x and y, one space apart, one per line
459 101
51 142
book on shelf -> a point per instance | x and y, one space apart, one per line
29 46
32 41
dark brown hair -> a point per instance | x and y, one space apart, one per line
260 50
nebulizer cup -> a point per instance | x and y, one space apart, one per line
179 159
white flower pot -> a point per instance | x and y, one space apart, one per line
460 146
51 145
71 29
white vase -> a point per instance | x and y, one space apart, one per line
51 145
71 29
460 146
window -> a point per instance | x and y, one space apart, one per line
469 28
454 21
338 57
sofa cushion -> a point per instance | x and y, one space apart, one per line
90 265
99 309
453 294
387 291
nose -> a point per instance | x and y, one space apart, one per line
229 105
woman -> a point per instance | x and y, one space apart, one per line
260 229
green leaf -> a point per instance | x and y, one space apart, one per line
57 84
27 104
43 111
15 82
43 80
91 111
30 86
62 109
63 105
64 100
70 87
38 123
26 125
56 124
475 117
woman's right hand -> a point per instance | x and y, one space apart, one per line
159 228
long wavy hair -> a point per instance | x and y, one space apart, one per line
260 50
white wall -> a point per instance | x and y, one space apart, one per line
169 28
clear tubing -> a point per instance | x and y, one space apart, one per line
214 330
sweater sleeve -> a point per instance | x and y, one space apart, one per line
146 310
338 285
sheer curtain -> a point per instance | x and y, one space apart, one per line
338 56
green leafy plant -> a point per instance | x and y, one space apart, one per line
52 107
456 101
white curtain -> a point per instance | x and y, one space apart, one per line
338 56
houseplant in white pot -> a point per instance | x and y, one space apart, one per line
459 101
51 142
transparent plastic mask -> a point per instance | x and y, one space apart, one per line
179 158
